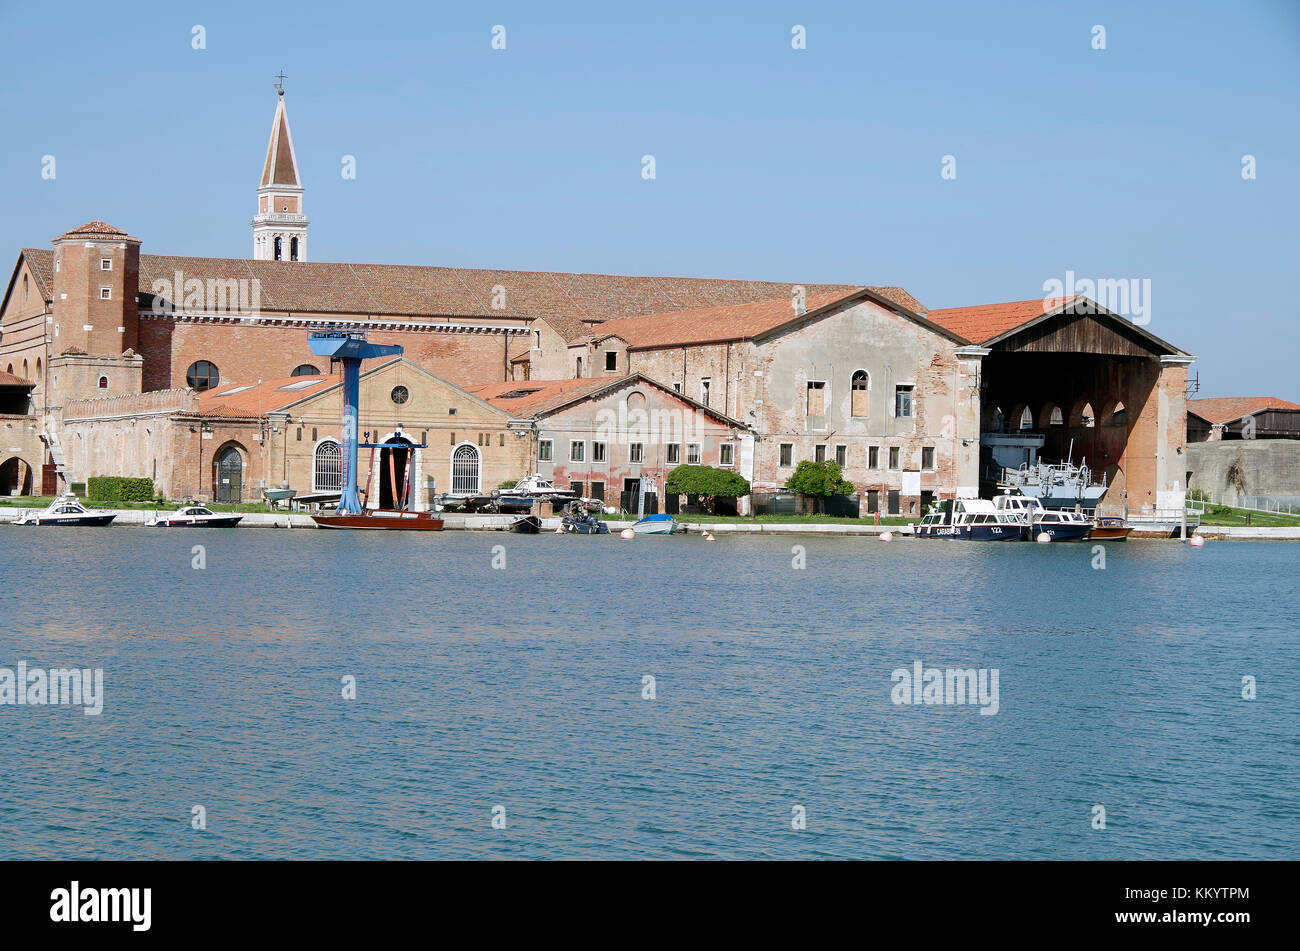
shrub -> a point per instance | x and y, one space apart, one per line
119 489
707 482
819 479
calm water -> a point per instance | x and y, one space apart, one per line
522 688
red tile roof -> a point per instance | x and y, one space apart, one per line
1227 409
531 398
711 324
10 379
245 400
524 398
98 228
305 287
984 323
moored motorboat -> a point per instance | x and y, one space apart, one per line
195 516
970 520
1059 525
579 519
1109 528
67 510
655 525
390 519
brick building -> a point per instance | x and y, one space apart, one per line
98 337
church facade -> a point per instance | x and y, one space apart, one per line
102 347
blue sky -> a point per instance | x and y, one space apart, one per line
814 165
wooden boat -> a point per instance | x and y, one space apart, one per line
195 516
655 525
67 510
526 525
390 519
1109 528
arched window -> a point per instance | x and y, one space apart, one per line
279 249
1119 417
103 382
293 249
24 369
38 368
328 471
202 375
577 373
305 369
465 466
1051 415
24 288
859 389
1026 419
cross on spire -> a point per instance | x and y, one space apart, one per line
279 83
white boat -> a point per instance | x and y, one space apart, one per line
195 516
970 520
655 525
67 510
1060 525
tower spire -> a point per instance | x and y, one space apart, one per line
280 226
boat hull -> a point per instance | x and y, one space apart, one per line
972 533
1061 533
72 520
222 521
383 520
526 525
664 525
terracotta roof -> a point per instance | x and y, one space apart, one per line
98 229
10 379
1227 409
249 400
710 324
524 398
441 292
281 167
532 398
979 324
570 328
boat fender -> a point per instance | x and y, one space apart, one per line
886 536
627 533
708 536
1196 541
1043 538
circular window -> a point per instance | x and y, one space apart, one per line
305 369
202 375
400 395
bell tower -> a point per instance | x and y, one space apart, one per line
280 227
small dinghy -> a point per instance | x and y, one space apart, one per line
655 525
526 525
195 516
67 510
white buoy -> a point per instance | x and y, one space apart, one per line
708 536
886 536
1196 541
1043 538
627 533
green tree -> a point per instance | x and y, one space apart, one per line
708 483
817 480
